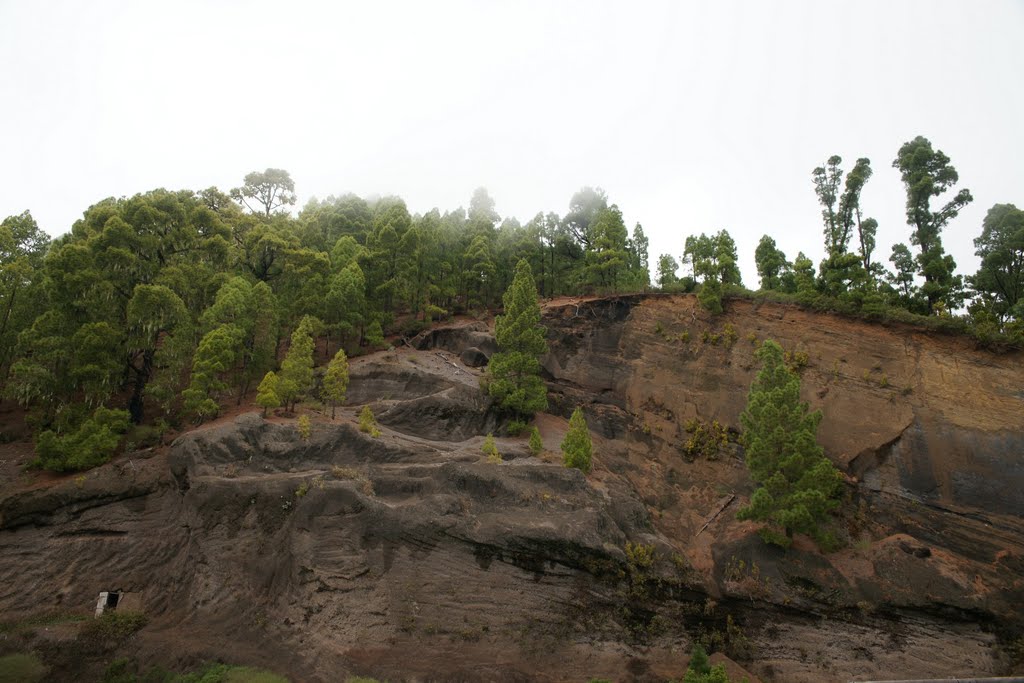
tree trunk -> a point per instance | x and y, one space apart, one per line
135 405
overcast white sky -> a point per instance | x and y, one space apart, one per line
692 116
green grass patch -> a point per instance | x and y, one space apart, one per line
21 668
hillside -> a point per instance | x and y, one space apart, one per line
408 557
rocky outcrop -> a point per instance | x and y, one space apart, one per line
409 557
929 430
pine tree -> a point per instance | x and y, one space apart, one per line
576 446
798 485
335 380
514 372
266 393
215 357
297 366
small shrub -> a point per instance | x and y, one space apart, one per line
684 336
350 473
305 427
639 556
796 360
884 381
706 439
659 329
367 422
490 449
111 629
516 427
302 490
536 444
729 335
752 338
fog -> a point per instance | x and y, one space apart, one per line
691 116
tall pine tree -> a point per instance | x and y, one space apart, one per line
797 484
514 372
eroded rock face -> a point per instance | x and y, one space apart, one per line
408 557
929 430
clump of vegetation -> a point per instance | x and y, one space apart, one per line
368 423
700 670
752 338
374 335
111 629
536 444
490 449
91 444
350 473
302 490
797 360
515 428
305 427
706 439
22 668
639 556
729 335
123 671
577 448
711 338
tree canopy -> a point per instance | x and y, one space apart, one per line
169 303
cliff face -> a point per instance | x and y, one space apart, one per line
409 557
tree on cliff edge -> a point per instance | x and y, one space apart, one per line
513 373
798 485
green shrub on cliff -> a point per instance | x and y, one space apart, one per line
577 448
536 444
490 449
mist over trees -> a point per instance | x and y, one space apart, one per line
167 304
